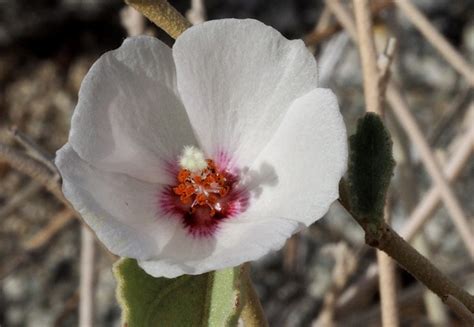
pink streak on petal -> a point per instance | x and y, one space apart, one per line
172 168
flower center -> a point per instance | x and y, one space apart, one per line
205 193
200 183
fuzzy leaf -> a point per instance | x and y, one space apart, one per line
370 167
211 299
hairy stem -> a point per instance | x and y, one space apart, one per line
252 312
164 15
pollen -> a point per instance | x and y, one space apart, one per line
192 159
200 184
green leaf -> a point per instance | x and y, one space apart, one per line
211 299
370 167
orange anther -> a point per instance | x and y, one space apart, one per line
201 199
183 175
202 189
212 199
189 190
179 189
185 199
223 191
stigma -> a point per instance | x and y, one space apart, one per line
192 159
200 184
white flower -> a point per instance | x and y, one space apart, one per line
206 155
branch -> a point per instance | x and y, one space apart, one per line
386 239
460 309
419 215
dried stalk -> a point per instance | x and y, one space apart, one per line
387 240
403 114
132 21
19 197
437 40
320 34
197 13
436 310
39 172
12 265
344 17
39 240
384 62
368 56
86 283
323 21
425 208
409 298
374 99
42 237
345 264
33 148
69 307
409 124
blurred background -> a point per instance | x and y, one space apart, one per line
325 276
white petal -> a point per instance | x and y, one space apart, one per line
120 209
293 182
238 240
237 79
129 117
302 165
